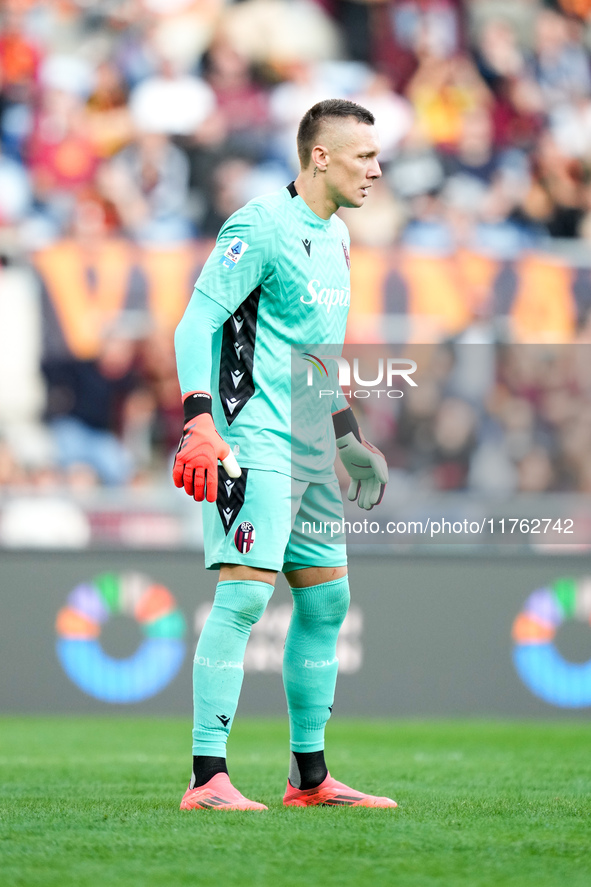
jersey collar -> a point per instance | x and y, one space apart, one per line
321 223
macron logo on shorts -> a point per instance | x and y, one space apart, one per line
231 492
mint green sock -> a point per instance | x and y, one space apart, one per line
218 667
310 662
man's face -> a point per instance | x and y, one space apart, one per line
352 165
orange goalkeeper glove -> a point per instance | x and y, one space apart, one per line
364 463
196 461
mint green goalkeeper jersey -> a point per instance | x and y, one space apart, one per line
283 274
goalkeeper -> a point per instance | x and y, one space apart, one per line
278 276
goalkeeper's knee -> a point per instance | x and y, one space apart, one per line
245 600
325 604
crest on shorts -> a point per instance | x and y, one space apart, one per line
244 537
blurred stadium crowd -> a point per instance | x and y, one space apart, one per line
131 129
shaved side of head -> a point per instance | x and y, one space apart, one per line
322 124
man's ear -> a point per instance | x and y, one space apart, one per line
320 157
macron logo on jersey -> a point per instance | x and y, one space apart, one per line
234 253
326 296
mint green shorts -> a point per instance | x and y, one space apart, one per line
271 521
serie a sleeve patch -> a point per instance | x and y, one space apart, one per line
234 253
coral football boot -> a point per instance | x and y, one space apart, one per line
218 794
331 793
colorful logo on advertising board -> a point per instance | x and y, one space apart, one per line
539 663
156 660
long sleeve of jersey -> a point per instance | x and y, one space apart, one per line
193 341
243 254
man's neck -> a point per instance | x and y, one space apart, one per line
311 190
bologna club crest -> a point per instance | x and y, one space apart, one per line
346 251
244 537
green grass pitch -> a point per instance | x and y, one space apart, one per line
94 801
